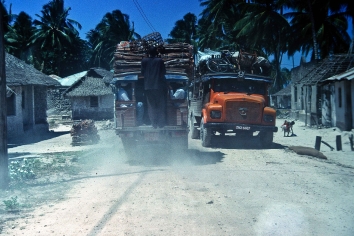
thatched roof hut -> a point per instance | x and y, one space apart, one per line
89 85
19 73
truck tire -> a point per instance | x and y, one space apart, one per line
193 130
205 134
266 138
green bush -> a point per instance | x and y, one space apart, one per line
22 170
12 204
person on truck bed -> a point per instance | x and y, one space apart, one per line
122 95
153 69
177 93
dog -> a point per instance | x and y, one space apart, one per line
287 127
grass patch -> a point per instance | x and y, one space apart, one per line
48 168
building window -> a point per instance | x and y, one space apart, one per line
11 105
93 101
339 97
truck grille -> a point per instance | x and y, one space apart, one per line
243 112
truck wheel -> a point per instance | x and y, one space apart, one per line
205 134
194 131
266 138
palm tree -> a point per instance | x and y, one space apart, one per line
77 57
265 29
18 37
54 33
184 30
113 28
346 9
215 28
4 168
7 16
322 31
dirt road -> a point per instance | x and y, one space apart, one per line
231 189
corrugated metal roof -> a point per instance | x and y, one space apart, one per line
347 75
328 67
70 80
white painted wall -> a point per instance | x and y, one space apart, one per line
81 108
14 123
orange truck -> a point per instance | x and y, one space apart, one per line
230 102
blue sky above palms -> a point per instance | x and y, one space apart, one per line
161 14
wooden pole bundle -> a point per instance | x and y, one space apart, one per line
178 57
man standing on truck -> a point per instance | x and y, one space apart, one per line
154 71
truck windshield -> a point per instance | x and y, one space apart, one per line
244 86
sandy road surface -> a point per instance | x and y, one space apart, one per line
231 189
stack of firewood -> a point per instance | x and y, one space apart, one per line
178 57
84 127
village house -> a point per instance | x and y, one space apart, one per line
57 104
282 99
338 100
91 96
26 99
318 101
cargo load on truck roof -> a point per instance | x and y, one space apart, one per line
178 57
227 61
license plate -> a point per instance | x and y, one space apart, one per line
239 127
151 136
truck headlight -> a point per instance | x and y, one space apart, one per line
215 114
268 118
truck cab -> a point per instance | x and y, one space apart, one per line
223 103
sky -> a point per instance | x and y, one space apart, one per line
161 14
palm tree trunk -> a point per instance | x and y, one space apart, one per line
4 168
352 43
314 38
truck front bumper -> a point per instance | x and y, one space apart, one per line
238 126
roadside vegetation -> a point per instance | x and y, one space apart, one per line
41 179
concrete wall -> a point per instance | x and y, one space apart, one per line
27 107
297 97
328 105
15 122
344 104
352 93
81 108
30 116
283 102
56 103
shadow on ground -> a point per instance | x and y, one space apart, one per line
30 138
189 157
233 142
